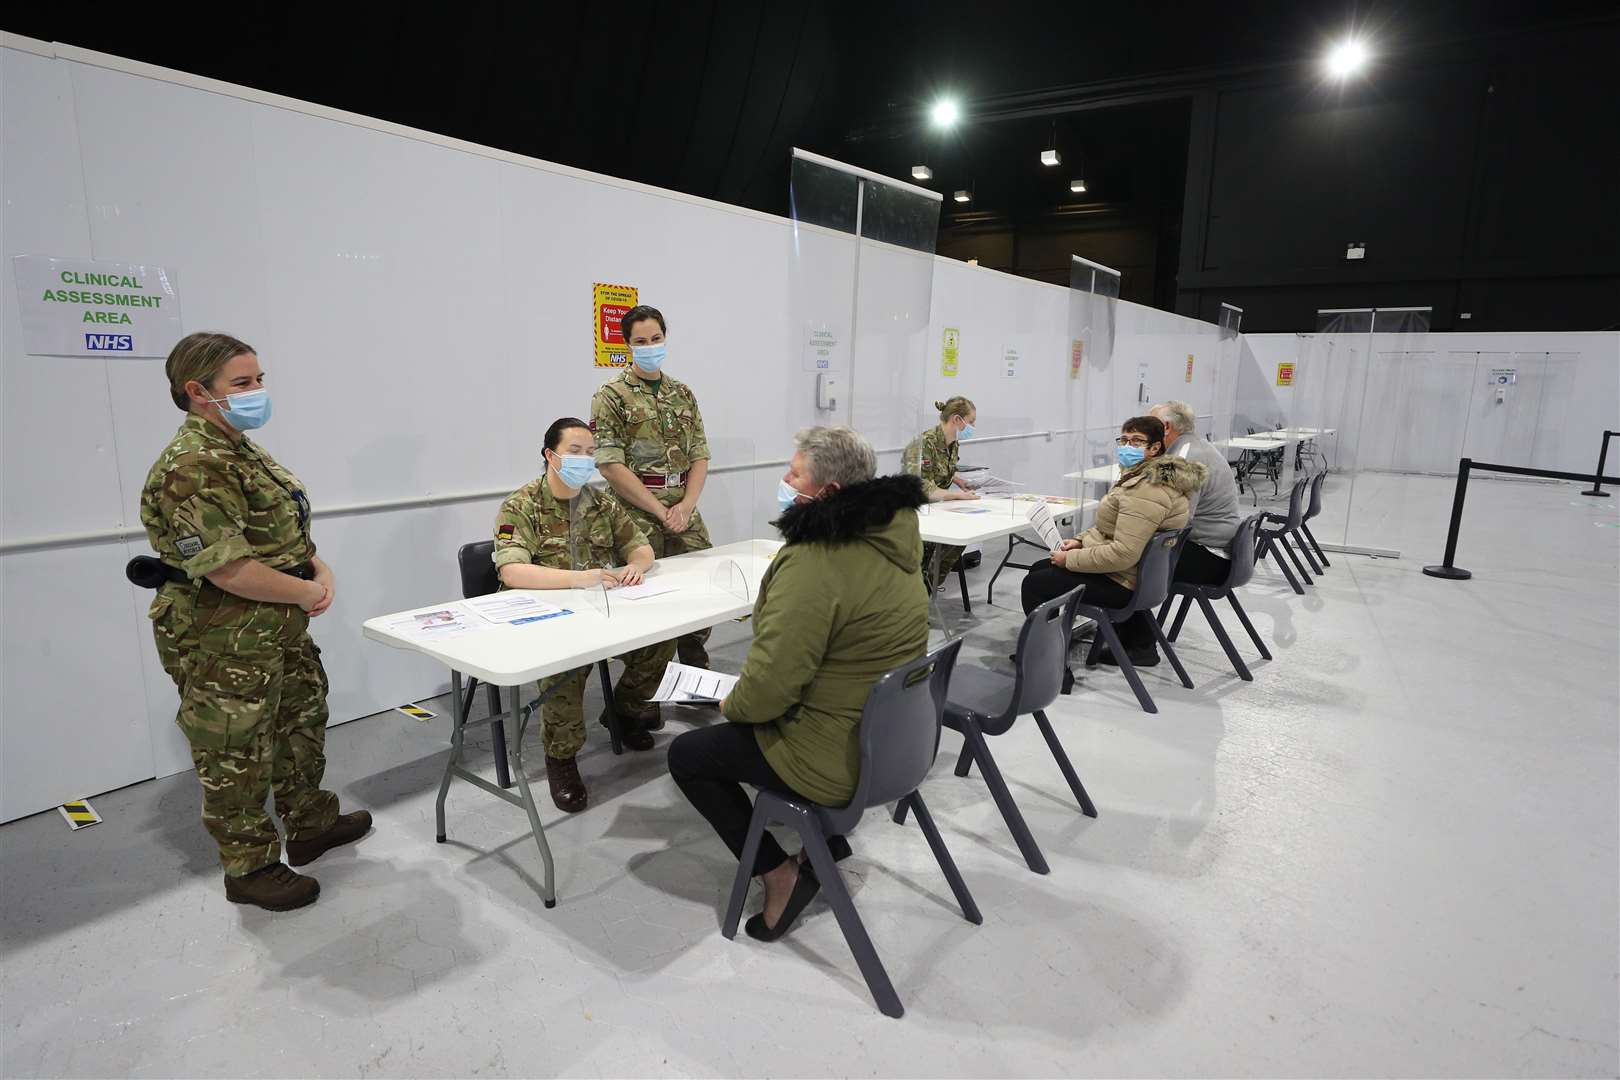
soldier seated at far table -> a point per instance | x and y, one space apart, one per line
558 533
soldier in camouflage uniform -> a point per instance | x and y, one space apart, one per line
651 447
932 455
231 621
556 533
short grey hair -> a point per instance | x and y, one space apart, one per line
1180 414
837 455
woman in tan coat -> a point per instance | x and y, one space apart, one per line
1150 496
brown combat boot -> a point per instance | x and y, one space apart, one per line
567 787
345 830
273 887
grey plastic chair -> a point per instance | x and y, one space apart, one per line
1310 512
479 577
1241 551
899 738
984 703
1152 586
1286 526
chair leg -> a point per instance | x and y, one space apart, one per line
1293 557
1105 632
1312 538
1097 642
1243 617
961 580
1004 800
925 821
1170 653
1086 806
990 589
497 731
964 760
1181 617
615 735
745 871
1293 582
1214 621
849 921
1164 609
1305 550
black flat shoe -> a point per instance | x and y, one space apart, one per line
804 891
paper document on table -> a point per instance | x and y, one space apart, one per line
645 589
685 685
1040 518
515 608
427 625
990 482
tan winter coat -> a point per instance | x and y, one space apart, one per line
1150 498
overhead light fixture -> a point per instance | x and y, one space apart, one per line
963 196
945 113
1077 186
1347 58
1051 157
921 172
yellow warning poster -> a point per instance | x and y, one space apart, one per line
609 303
1189 367
1285 374
953 344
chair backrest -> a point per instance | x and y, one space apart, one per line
1043 651
1296 502
1316 495
900 729
1241 551
1153 569
478 574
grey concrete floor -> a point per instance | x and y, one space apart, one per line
1394 853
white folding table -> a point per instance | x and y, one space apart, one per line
962 522
708 592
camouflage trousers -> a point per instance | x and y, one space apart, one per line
563 713
947 556
691 648
255 716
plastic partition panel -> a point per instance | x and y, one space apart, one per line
1095 386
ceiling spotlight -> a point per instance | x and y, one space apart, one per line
1347 58
1077 186
921 172
1051 157
944 113
962 196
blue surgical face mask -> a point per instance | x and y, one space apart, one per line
966 432
649 358
576 470
786 495
245 411
1130 456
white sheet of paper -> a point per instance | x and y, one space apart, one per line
447 621
693 685
644 590
514 608
1040 518
990 481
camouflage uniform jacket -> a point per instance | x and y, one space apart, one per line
591 530
650 427
932 458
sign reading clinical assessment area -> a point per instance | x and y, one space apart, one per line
83 307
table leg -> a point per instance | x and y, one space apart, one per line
520 722
450 765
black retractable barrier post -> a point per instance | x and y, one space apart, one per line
1597 477
1446 569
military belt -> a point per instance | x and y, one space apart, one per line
662 480
152 573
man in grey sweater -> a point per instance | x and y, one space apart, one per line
1215 516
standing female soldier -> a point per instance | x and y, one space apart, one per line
932 456
232 626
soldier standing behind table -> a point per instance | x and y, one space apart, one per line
231 620
650 446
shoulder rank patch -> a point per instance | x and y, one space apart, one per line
593 425
189 546
504 532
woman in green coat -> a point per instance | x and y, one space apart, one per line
838 609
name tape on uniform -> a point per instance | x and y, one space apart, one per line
79 814
415 712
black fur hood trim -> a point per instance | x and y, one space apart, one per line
851 513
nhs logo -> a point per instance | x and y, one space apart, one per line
109 342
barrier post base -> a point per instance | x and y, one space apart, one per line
1597 494
1454 573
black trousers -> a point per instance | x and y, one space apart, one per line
1200 566
1048 581
710 765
